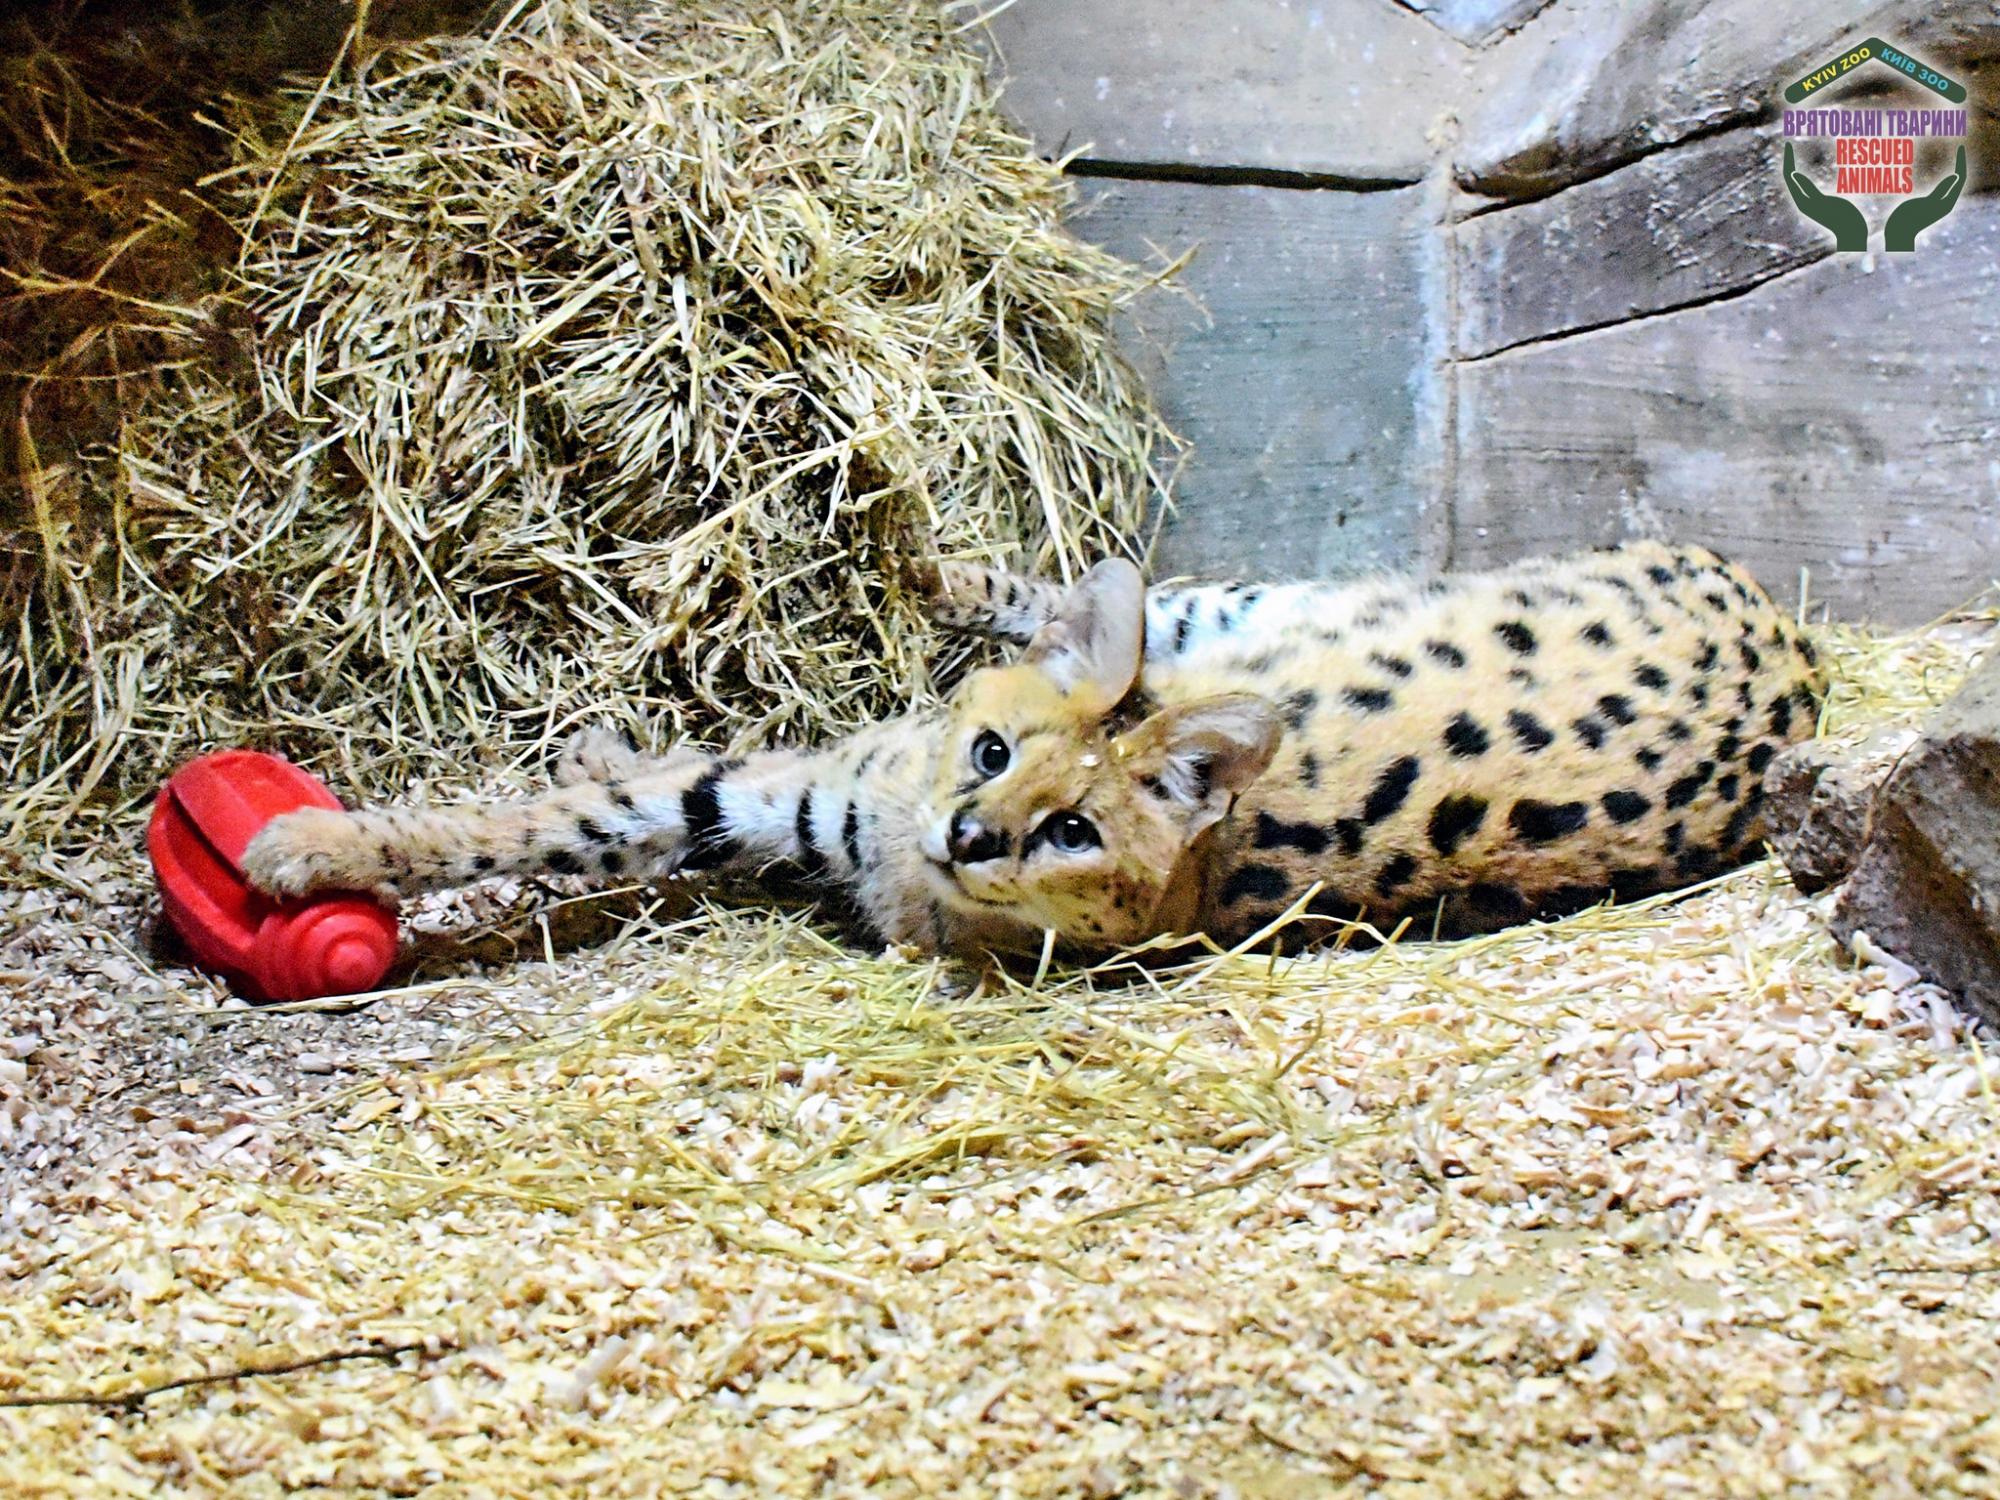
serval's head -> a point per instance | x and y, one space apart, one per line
1065 799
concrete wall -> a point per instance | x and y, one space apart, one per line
1482 278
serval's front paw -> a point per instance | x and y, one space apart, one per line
597 753
959 593
315 849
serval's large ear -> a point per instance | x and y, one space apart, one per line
1091 649
1201 754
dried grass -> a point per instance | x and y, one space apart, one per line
623 359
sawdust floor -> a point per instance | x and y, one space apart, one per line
623 1200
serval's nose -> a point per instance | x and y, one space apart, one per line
972 843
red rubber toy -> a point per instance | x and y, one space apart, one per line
209 810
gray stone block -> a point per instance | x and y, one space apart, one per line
1817 797
1671 230
1298 378
1590 84
1477 20
1347 88
1841 417
1927 885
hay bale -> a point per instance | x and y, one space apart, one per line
627 355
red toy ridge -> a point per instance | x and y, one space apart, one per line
204 817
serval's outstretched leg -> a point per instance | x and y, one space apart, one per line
843 815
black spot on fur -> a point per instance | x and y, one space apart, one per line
1446 653
1544 822
1709 655
1680 793
1697 861
1650 676
1726 787
1156 787
1348 831
1630 883
1395 666
1626 807
1727 746
1617 708
485 864
1372 700
1307 838
850 834
1309 770
1781 717
1396 872
1807 650
611 862
1499 902
810 859
1335 904
1648 757
563 862
1591 730
701 814
1751 660
1740 821
1454 820
1521 597
1521 675
1464 737
1678 730
1662 576
1716 602
1516 637
620 798
1182 626
1530 731
591 831
1699 692
1760 756
1676 836
1390 789
1260 882
1297 708
1598 633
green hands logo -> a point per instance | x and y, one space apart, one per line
1911 219
1850 230
1875 151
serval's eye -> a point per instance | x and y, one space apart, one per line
1071 833
989 754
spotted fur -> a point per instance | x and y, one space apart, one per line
1463 755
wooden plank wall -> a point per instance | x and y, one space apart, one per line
1484 278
